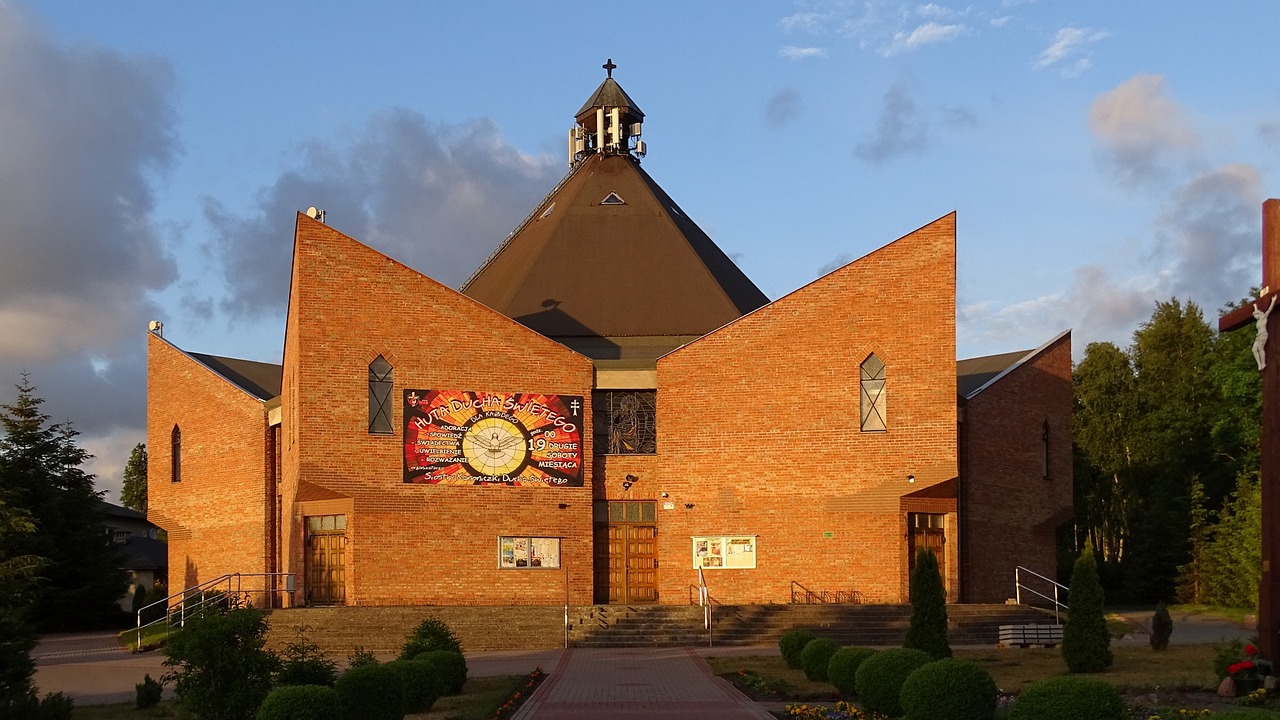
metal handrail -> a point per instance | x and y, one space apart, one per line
704 599
1019 586
189 608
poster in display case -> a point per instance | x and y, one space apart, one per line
721 552
519 552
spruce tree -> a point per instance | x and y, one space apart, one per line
41 474
1086 643
928 630
133 493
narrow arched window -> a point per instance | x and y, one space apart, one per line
380 397
1044 450
175 454
874 404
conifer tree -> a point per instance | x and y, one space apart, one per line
133 493
928 630
1086 643
41 474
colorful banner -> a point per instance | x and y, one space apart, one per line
458 437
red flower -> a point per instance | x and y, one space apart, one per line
1250 650
1240 667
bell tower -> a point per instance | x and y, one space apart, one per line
609 123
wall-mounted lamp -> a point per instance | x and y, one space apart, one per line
688 506
911 478
666 495
631 480
564 506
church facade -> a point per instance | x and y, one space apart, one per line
610 411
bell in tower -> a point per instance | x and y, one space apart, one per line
608 123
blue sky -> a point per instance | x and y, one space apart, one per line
1099 156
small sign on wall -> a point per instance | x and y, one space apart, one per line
528 552
724 552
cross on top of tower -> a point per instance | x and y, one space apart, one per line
609 66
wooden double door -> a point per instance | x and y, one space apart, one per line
326 560
927 530
626 553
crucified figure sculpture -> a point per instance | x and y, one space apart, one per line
1260 342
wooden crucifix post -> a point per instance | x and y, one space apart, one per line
1259 316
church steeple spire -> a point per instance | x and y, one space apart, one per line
609 122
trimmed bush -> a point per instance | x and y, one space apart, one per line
792 643
928 630
842 669
147 693
450 668
1161 628
815 656
301 702
371 692
1068 697
1086 642
422 684
949 689
879 678
431 634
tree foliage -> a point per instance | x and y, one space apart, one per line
41 475
18 578
133 493
928 629
1086 643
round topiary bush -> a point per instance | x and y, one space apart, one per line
449 667
815 656
949 690
1068 697
421 683
792 643
431 634
879 678
842 669
301 702
371 692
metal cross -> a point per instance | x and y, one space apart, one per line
609 66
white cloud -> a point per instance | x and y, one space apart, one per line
1069 43
812 23
928 34
1142 134
791 52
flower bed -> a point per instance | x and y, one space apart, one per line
519 697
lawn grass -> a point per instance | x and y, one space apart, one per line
153 636
479 698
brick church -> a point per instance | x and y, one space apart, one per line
607 410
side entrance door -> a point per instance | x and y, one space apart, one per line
626 551
326 560
927 530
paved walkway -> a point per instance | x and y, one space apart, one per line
628 683
92 668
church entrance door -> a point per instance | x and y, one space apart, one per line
626 550
927 530
326 560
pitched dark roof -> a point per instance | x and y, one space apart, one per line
974 373
609 254
143 553
610 94
262 380
119 511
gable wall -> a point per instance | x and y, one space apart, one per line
416 543
216 515
758 428
1010 509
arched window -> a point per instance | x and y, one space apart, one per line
1044 450
874 404
175 454
380 397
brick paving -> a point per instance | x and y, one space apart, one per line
629 683
92 668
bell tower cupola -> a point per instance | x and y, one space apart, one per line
609 123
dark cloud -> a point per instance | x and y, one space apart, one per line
439 199
782 108
840 261
901 129
1209 234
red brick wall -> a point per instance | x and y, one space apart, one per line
214 516
410 543
758 427
1010 511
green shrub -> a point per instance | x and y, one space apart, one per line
431 634
302 662
421 682
928 630
360 656
449 667
148 692
222 671
842 668
1086 642
1161 628
371 692
301 702
29 706
791 643
815 656
879 678
949 690
1068 697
